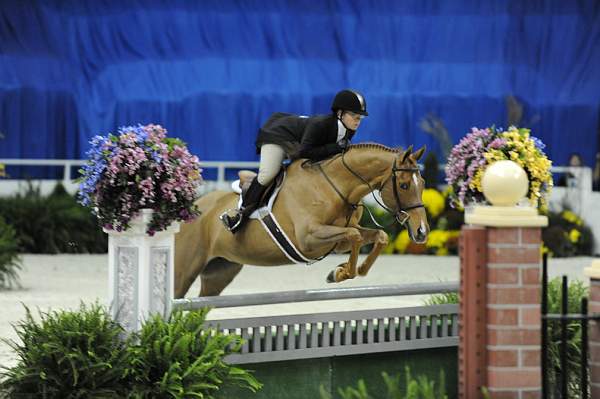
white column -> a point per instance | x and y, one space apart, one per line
140 272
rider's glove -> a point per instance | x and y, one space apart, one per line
343 143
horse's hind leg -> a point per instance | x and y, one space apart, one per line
217 275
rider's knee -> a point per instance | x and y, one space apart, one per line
266 175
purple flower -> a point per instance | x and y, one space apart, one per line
538 144
140 168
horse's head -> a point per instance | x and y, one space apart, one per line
402 192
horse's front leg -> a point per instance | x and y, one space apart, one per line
321 235
370 236
380 239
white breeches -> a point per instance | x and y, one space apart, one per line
271 157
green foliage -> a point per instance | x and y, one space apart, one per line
442 299
431 170
10 262
67 355
182 358
53 224
577 291
85 354
567 235
414 388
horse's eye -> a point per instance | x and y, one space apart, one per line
404 186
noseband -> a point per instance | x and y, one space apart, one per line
401 215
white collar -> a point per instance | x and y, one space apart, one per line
341 133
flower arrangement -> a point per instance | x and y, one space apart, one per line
481 147
140 168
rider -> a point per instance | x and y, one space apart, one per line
316 138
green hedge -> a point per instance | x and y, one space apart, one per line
52 224
10 262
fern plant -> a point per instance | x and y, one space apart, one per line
182 358
67 355
10 262
415 388
85 354
442 299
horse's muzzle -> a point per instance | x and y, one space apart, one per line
421 235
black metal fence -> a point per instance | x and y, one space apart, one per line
559 374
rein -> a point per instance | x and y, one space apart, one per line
401 215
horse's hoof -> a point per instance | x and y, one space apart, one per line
331 277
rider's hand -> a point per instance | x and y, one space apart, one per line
343 143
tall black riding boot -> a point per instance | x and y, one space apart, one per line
250 200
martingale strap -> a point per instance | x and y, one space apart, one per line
272 227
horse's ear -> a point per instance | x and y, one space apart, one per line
419 153
406 154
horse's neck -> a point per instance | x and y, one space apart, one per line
370 164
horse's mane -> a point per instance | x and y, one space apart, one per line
358 146
376 146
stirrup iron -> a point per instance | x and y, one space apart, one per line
226 219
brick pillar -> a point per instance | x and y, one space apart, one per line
510 303
594 328
472 360
513 312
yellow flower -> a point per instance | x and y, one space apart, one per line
442 251
379 212
402 241
437 238
545 250
574 235
453 234
389 249
433 201
572 218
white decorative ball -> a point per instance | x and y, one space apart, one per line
504 183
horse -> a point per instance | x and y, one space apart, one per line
318 207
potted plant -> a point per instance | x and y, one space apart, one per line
140 168
480 148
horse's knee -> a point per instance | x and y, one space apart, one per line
353 235
382 238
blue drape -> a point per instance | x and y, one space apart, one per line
212 71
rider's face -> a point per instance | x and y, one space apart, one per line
351 119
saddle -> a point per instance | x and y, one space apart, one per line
245 178
264 215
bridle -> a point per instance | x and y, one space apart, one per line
401 212
401 215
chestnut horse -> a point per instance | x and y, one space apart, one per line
317 207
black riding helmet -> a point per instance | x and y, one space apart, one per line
350 100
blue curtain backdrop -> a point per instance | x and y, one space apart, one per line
212 71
